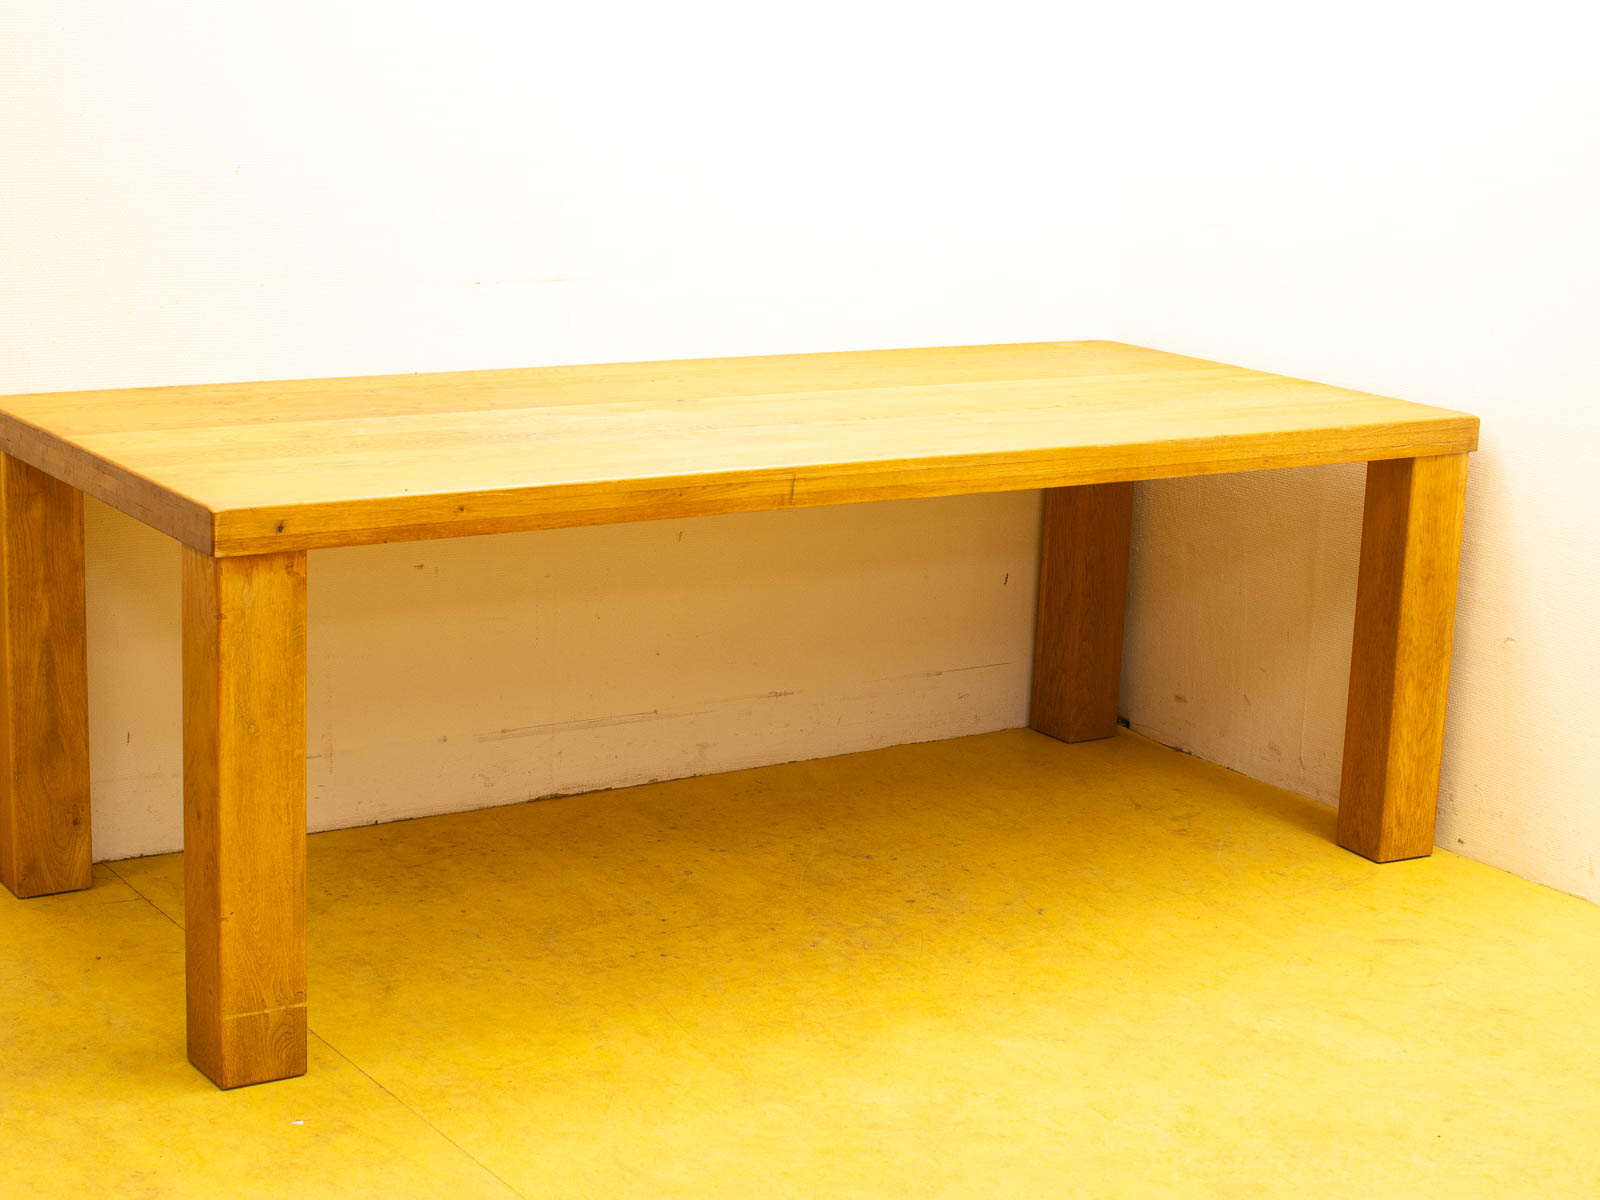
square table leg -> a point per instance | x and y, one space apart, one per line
244 814
1400 665
44 685
1083 597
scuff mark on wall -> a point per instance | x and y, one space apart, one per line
501 735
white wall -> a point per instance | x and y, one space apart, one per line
1409 206
1396 197
458 674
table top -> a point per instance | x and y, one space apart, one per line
247 468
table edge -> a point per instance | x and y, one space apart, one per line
231 532
161 508
367 521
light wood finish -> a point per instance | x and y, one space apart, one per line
250 476
244 801
1400 666
265 467
1083 596
44 685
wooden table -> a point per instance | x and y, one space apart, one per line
250 476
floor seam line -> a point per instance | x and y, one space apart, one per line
353 1064
362 1071
141 895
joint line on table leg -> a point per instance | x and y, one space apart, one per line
353 1064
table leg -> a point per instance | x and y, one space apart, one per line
244 814
1400 667
44 685
1083 595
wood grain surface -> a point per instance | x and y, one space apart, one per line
244 802
1083 597
265 467
44 685
1400 663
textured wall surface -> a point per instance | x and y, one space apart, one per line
1242 601
457 674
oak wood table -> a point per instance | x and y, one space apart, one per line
250 476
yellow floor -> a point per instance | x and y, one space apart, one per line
996 966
